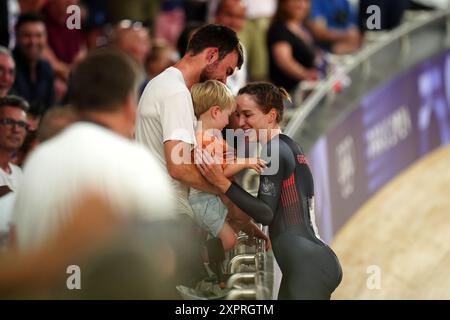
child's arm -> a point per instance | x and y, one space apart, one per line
231 169
240 164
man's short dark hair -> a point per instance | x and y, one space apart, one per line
29 17
218 36
14 101
103 81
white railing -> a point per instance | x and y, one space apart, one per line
376 42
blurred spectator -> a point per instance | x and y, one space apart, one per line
33 121
52 123
196 10
119 258
334 26
170 21
145 11
95 22
32 5
254 36
162 56
59 171
9 12
28 145
7 71
35 274
6 209
291 48
134 39
34 75
231 13
13 129
142 261
64 45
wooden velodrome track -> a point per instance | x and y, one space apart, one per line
404 231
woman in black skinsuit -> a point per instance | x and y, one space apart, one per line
310 268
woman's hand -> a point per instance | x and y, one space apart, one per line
254 231
212 171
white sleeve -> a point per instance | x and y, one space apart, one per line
178 118
2 179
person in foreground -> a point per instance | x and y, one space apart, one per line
310 268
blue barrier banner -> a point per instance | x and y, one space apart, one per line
392 127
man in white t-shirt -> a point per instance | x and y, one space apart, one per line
92 155
166 121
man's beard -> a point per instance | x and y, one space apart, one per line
208 72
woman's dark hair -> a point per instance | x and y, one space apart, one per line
267 96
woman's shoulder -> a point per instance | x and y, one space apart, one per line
277 25
289 142
277 29
280 146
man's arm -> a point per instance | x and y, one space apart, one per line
181 167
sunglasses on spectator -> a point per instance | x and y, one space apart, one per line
11 122
130 24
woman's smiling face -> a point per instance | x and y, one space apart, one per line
250 114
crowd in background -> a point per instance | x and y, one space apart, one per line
284 42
